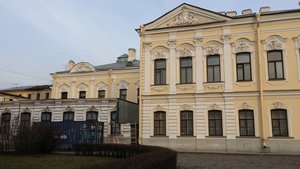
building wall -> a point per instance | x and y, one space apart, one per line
227 38
26 94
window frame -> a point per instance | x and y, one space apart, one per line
99 94
275 67
47 118
213 66
161 72
122 95
279 120
246 120
25 123
82 94
243 67
214 120
93 114
115 127
5 122
68 114
162 130
186 121
64 95
185 80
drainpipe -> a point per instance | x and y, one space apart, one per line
260 78
109 92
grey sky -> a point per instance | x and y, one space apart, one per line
38 37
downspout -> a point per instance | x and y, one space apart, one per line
110 84
260 78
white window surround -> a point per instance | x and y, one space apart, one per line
213 48
160 52
297 50
246 106
275 42
280 105
156 109
101 85
82 87
240 46
123 84
185 50
186 107
219 107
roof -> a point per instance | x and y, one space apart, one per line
13 95
28 88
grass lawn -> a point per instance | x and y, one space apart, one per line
51 161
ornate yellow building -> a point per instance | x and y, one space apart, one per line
221 81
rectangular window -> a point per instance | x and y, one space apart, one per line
246 119
160 123
25 120
186 70
47 96
29 96
215 123
101 94
68 116
64 95
213 68
279 122
115 125
92 116
38 96
243 67
82 94
5 123
275 65
186 123
138 95
123 94
46 117
160 72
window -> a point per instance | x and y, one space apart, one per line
243 67
38 96
246 118
279 122
186 123
68 116
64 95
213 68
138 95
275 65
160 123
47 95
91 116
5 122
82 94
25 120
186 70
115 125
29 96
101 94
215 123
46 117
160 72
123 94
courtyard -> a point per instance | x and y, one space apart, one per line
237 161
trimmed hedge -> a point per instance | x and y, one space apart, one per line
131 156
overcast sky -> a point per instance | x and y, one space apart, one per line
38 37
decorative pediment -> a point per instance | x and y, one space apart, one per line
212 48
242 45
123 84
160 52
184 15
83 67
274 43
101 86
82 86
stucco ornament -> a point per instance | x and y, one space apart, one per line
159 89
185 52
101 86
82 67
185 18
26 110
186 107
160 55
214 106
159 108
69 109
242 46
278 105
245 106
6 110
212 50
213 86
274 44
93 108
186 88
46 109
123 84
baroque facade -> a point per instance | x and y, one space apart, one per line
220 81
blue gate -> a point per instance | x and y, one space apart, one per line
73 132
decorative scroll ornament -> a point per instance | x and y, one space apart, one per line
159 108
46 109
214 106
160 55
185 18
198 41
26 110
6 110
186 88
186 107
82 67
212 50
278 105
242 46
147 45
213 86
93 108
69 109
274 44
159 89
123 84
245 106
185 52
172 43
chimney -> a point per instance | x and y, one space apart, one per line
70 65
247 11
264 9
231 13
131 54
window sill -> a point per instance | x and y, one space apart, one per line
213 82
160 85
215 136
185 83
186 136
276 79
239 81
159 136
281 138
247 137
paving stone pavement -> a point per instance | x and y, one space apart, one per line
237 161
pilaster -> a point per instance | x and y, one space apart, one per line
227 63
199 65
172 72
147 71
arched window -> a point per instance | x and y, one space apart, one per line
215 123
68 116
246 119
160 72
279 122
5 122
46 116
159 123
25 120
91 116
186 123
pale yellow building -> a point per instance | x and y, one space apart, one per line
221 81
115 80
